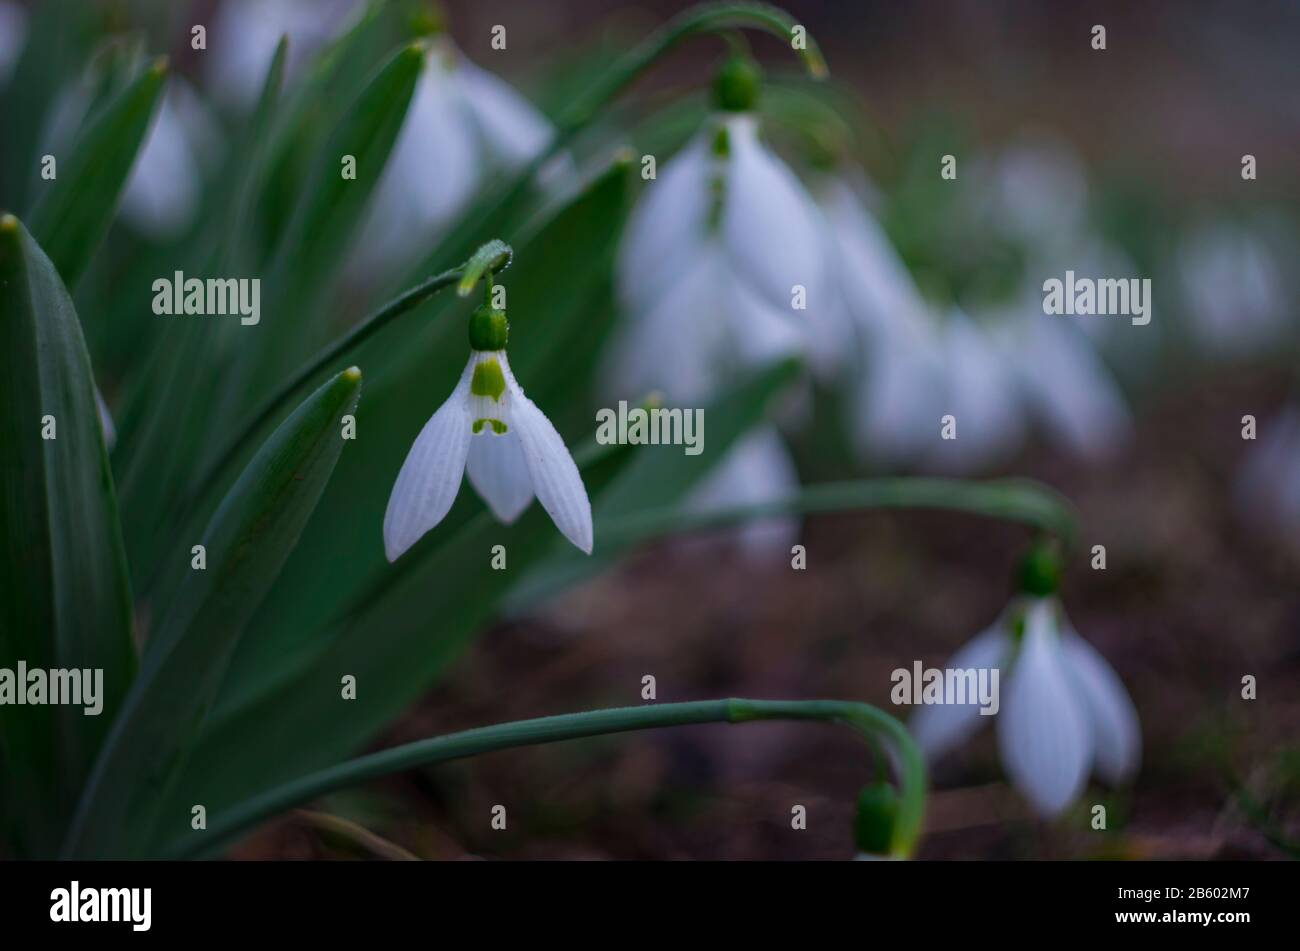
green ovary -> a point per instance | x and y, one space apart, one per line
488 380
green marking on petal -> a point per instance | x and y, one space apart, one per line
498 427
488 380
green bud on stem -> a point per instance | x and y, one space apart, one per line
488 328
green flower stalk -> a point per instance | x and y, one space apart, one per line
873 724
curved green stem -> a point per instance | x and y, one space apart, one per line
706 18
1018 500
491 257
864 719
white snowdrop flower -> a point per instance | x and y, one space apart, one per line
163 192
489 430
463 126
245 33
982 397
13 36
898 386
709 267
1267 490
1036 190
1063 381
1233 287
1063 711
756 470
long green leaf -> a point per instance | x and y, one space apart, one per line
246 544
65 601
328 217
74 212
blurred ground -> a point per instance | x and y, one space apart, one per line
1189 603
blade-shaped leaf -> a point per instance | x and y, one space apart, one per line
65 601
330 211
245 545
74 211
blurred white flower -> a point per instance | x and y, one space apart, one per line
13 36
1233 288
982 397
756 470
1267 491
489 430
1063 381
1063 711
162 194
245 33
898 381
463 125
708 267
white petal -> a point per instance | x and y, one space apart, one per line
666 228
554 475
430 176
674 344
1068 385
1117 738
497 470
757 333
981 396
512 129
162 193
1043 732
770 226
756 469
430 476
941 727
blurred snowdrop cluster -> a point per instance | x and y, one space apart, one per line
715 255
1063 715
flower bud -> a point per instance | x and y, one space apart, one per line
488 328
735 88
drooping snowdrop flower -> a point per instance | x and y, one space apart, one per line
1064 383
13 35
1063 712
489 430
245 33
899 375
981 396
463 125
721 265
721 261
